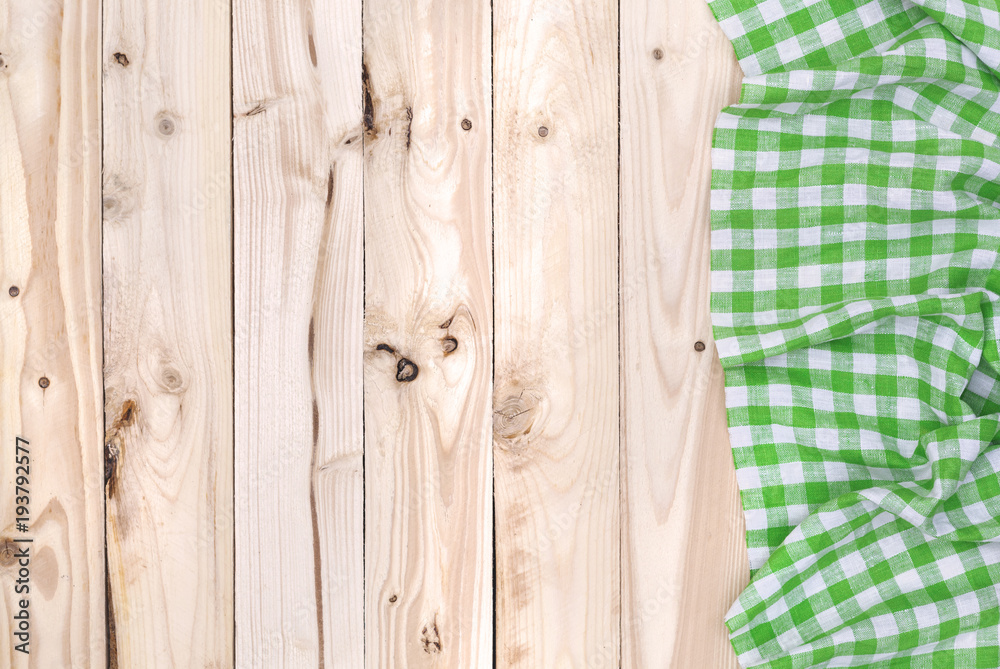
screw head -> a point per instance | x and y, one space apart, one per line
658 54
43 382
543 131
13 291
699 346
466 124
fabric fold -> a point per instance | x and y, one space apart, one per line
855 281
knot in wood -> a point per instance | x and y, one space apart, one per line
171 380
7 553
406 370
430 638
165 125
111 206
113 444
166 374
111 452
514 416
127 415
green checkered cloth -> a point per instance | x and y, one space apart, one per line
855 283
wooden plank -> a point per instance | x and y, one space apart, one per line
337 344
683 553
168 329
556 401
50 332
428 330
298 310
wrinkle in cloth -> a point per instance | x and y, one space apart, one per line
855 282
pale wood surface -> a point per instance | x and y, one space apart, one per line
683 549
50 216
167 318
403 174
298 311
337 343
556 403
428 332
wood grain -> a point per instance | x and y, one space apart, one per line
369 269
337 343
683 547
428 328
167 316
556 407
50 329
298 309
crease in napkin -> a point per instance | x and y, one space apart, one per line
855 283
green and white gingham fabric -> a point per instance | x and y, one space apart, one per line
855 279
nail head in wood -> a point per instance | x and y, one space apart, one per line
13 291
43 382
543 131
658 54
466 124
699 346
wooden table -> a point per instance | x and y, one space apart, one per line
363 334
